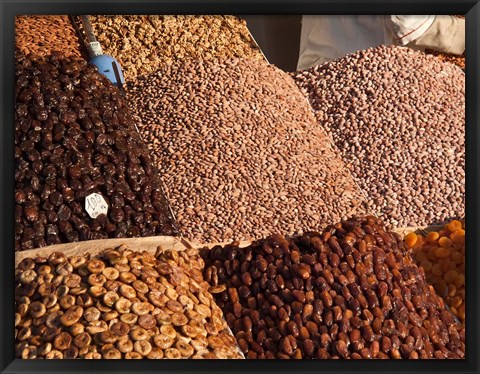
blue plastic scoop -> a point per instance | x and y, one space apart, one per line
106 65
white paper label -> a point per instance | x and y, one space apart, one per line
95 205
95 49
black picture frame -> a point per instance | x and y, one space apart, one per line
10 8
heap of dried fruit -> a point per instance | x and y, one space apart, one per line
351 292
442 255
74 136
123 304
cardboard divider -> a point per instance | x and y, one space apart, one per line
94 247
151 244
404 231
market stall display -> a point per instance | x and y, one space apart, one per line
145 43
240 151
244 167
75 137
398 118
352 291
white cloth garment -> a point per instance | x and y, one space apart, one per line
324 38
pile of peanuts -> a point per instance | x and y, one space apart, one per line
240 151
398 118
42 35
352 291
75 136
442 255
143 43
122 304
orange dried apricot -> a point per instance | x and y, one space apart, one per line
460 281
445 242
432 236
450 276
411 239
454 225
457 257
442 252
426 265
421 256
436 269
441 255
458 236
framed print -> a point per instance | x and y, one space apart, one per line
281 186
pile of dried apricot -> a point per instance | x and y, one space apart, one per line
442 255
